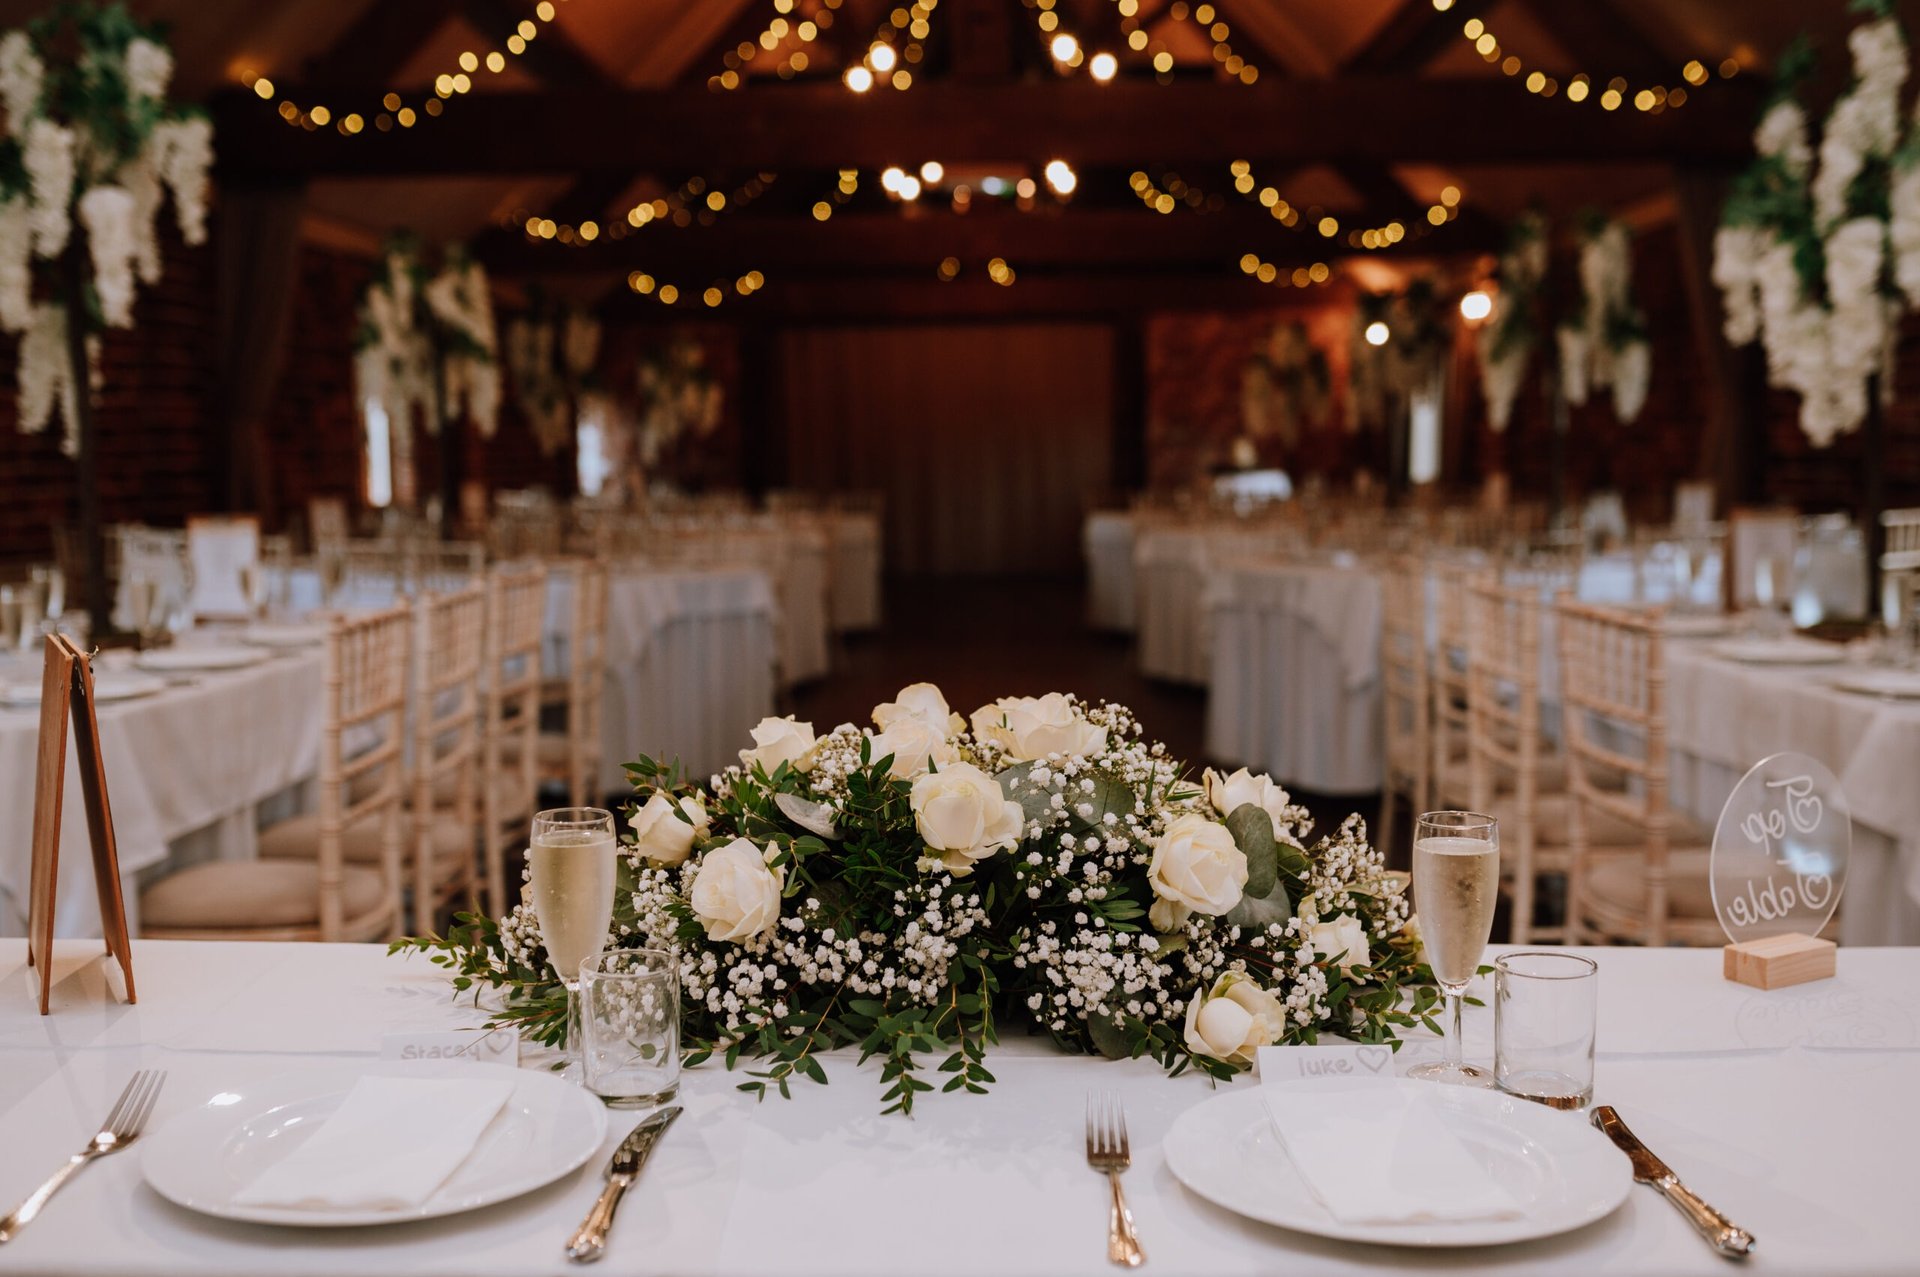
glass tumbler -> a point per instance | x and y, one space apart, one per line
630 1026
1545 1009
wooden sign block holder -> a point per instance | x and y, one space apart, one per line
66 688
1778 962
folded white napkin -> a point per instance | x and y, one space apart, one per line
1379 1151
391 1144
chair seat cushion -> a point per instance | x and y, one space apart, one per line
246 895
299 839
1619 881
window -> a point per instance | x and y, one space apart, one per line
1423 447
379 457
592 465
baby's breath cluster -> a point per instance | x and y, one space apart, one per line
905 887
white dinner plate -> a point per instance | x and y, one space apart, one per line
1564 1174
108 685
203 1157
203 656
1902 684
285 635
1789 651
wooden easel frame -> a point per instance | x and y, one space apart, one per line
66 688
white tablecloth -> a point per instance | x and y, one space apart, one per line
184 766
856 572
690 659
1723 717
1108 539
1169 584
1295 664
1792 1111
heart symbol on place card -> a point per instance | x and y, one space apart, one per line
1374 1058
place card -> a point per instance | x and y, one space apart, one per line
500 1046
1345 1059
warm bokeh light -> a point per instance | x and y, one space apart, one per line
859 79
881 57
931 172
1061 177
1103 67
1377 333
1064 48
892 177
1476 306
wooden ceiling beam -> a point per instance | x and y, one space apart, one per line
1413 36
822 126
892 240
379 44
1602 40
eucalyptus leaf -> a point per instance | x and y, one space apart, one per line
1109 1039
1036 801
1258 911
1252 831
814 817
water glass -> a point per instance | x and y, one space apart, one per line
630 1026
1545 1009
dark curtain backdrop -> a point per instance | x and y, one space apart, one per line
986 441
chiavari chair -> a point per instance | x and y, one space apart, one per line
306 884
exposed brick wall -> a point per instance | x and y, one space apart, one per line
313 428
154 418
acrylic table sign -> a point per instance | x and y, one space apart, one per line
1778 869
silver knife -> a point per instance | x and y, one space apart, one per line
589 1242
1720 1232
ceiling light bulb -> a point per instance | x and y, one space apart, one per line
891 178
909 188
859 79
1064 47
1061 177
931 172
881 57
1103 67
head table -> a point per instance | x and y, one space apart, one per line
1791 1111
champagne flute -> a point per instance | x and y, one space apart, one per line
1456 882
333 575
53 584
253 587
572 859
143 606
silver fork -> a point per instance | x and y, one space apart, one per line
122 1127
1109 1153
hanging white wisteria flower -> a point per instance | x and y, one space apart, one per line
88 142
1604 346
21 76
681 397
551 354
1814 260
107 213
1506 343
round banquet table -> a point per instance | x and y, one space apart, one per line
1791 1111
185 769
1296 673
1108 540
690 660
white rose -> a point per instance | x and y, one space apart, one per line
913 744
780 740
1195 866
662 836
964 817
735 893
1345 935
1235 1019
1030 727
921 701
1227 793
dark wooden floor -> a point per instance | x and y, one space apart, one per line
979 639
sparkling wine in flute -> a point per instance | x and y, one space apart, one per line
1456 883
573 877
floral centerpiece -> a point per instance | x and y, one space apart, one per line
906 888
